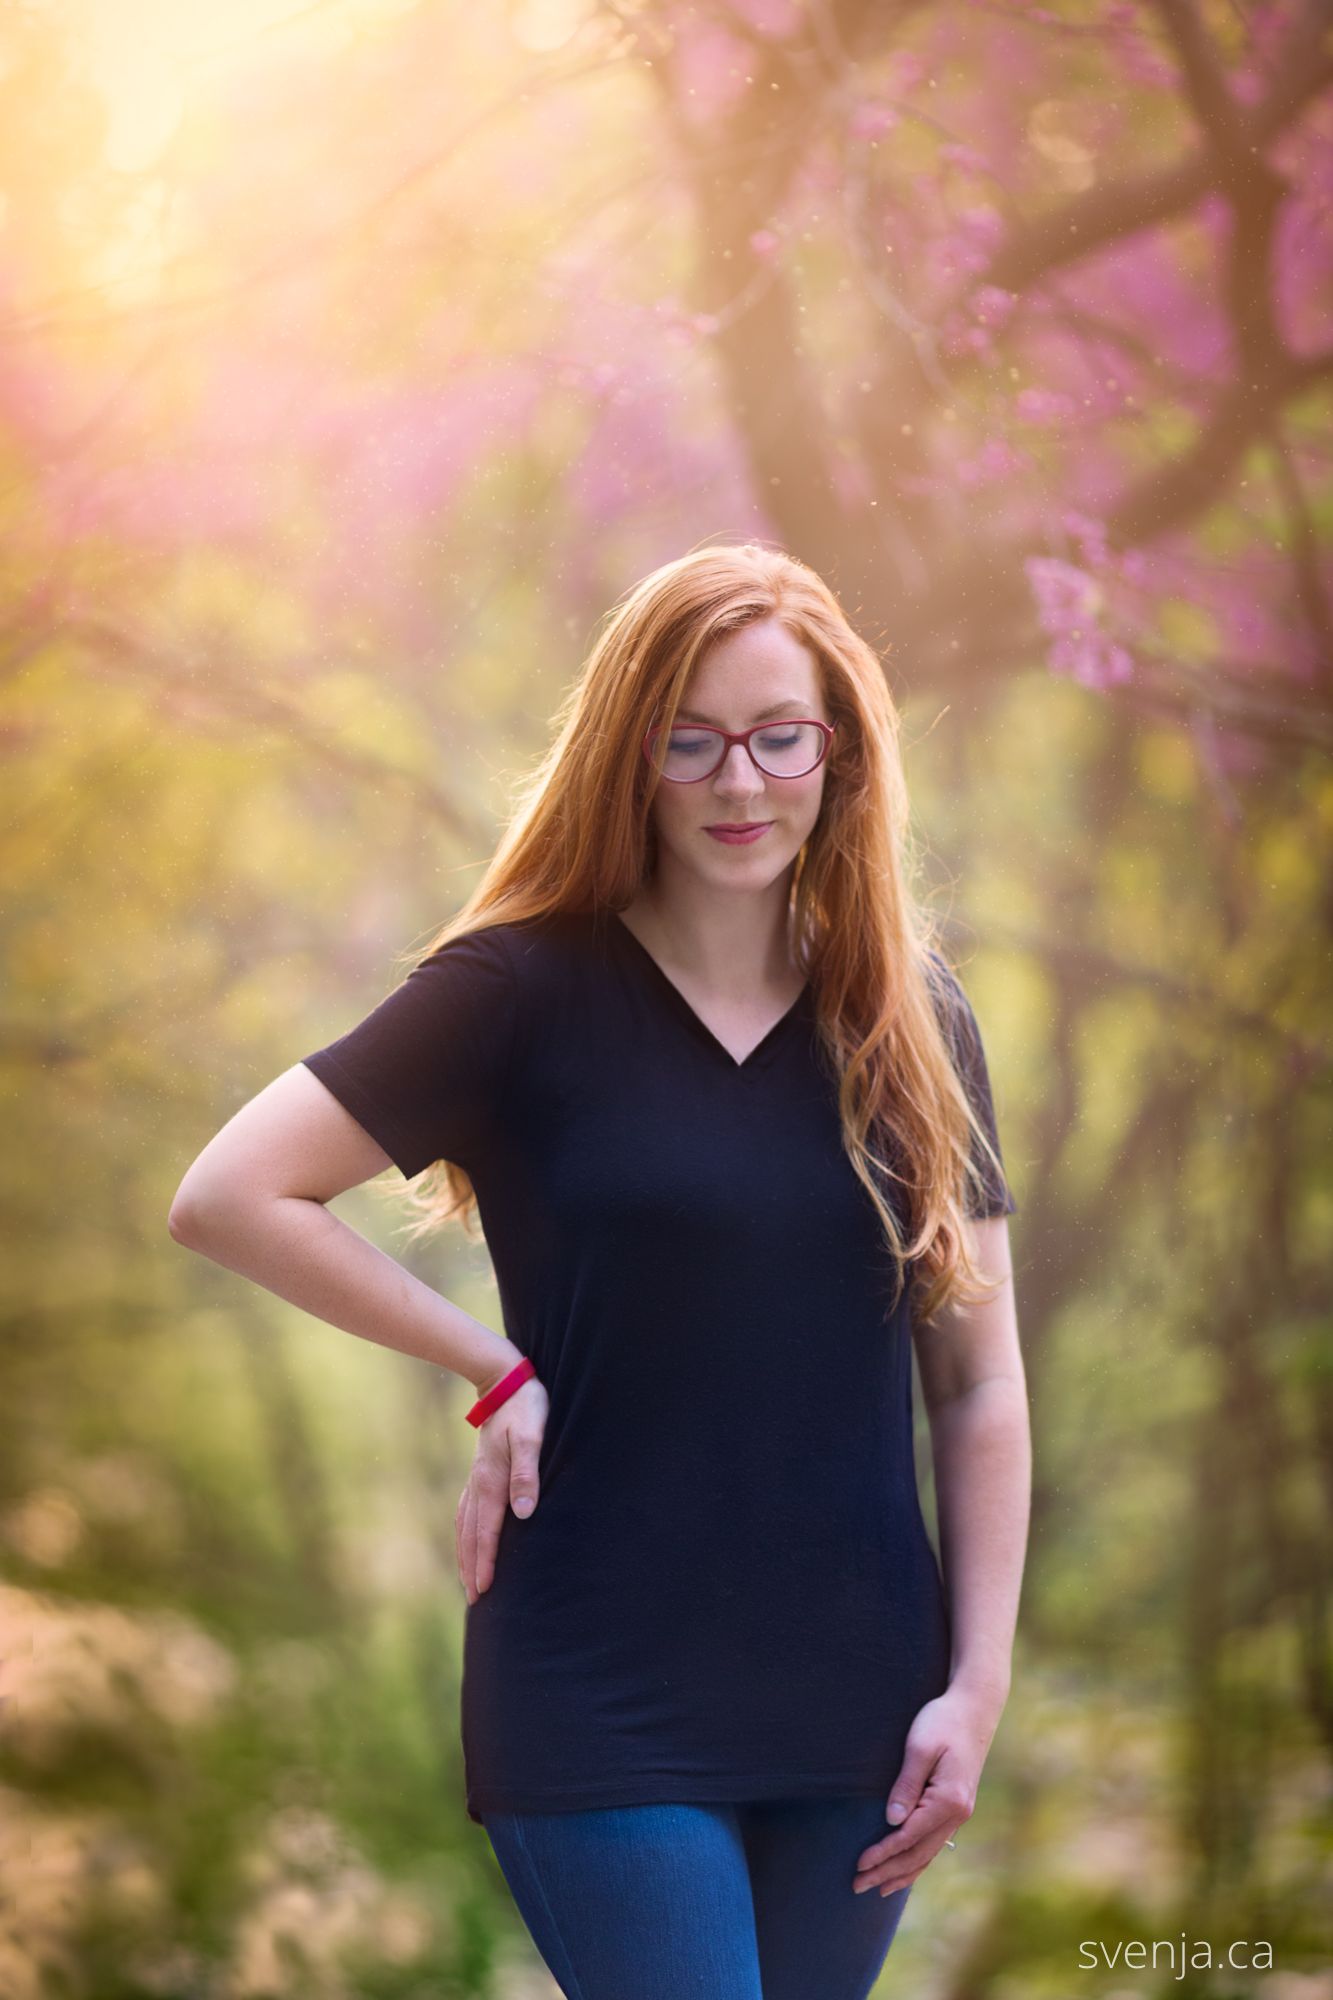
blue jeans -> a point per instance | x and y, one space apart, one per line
702 1902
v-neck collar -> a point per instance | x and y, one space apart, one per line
673 995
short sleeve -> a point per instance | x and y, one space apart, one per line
964 1036
423 1072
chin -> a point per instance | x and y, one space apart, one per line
769 859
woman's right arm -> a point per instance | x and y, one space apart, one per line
254 1201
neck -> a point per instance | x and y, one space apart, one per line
729 944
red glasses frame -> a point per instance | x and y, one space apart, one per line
742 736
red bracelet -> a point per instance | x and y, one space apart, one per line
486 1405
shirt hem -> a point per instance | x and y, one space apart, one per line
673 1788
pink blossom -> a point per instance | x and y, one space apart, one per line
1089 533
1135 57
712 65
776 18
957 337
965 157
982 223
953 255
1066 596
1043 406
1092 658
996 460
871 118
992 304
905 69
1069 606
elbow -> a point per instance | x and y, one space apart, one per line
208 1216
182 1222
204 1196
186 1218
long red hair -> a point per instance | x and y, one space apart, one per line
580 838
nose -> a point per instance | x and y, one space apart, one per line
738 776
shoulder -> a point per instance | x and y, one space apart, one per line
956 1014
937 967
543 947
500 944
480 957
526 954
946 988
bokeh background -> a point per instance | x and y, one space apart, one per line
354 357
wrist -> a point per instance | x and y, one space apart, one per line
986 1687
503 1358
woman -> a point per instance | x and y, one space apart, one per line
725 1116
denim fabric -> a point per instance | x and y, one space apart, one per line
702 1902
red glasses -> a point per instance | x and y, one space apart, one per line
784 749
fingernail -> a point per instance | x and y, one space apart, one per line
523 1506
897 1813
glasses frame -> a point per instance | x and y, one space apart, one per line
730 736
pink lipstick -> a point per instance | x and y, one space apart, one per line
739 836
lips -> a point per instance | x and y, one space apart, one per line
741 835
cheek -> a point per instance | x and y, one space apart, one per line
805 808
673 812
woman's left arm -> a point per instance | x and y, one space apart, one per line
976 1398
975 1393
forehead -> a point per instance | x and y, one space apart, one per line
758 665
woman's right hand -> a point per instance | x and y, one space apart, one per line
504 1471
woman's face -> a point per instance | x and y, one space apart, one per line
757 674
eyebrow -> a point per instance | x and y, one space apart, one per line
692 715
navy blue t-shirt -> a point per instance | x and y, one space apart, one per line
726 1591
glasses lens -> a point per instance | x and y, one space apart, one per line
686 753
788 749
